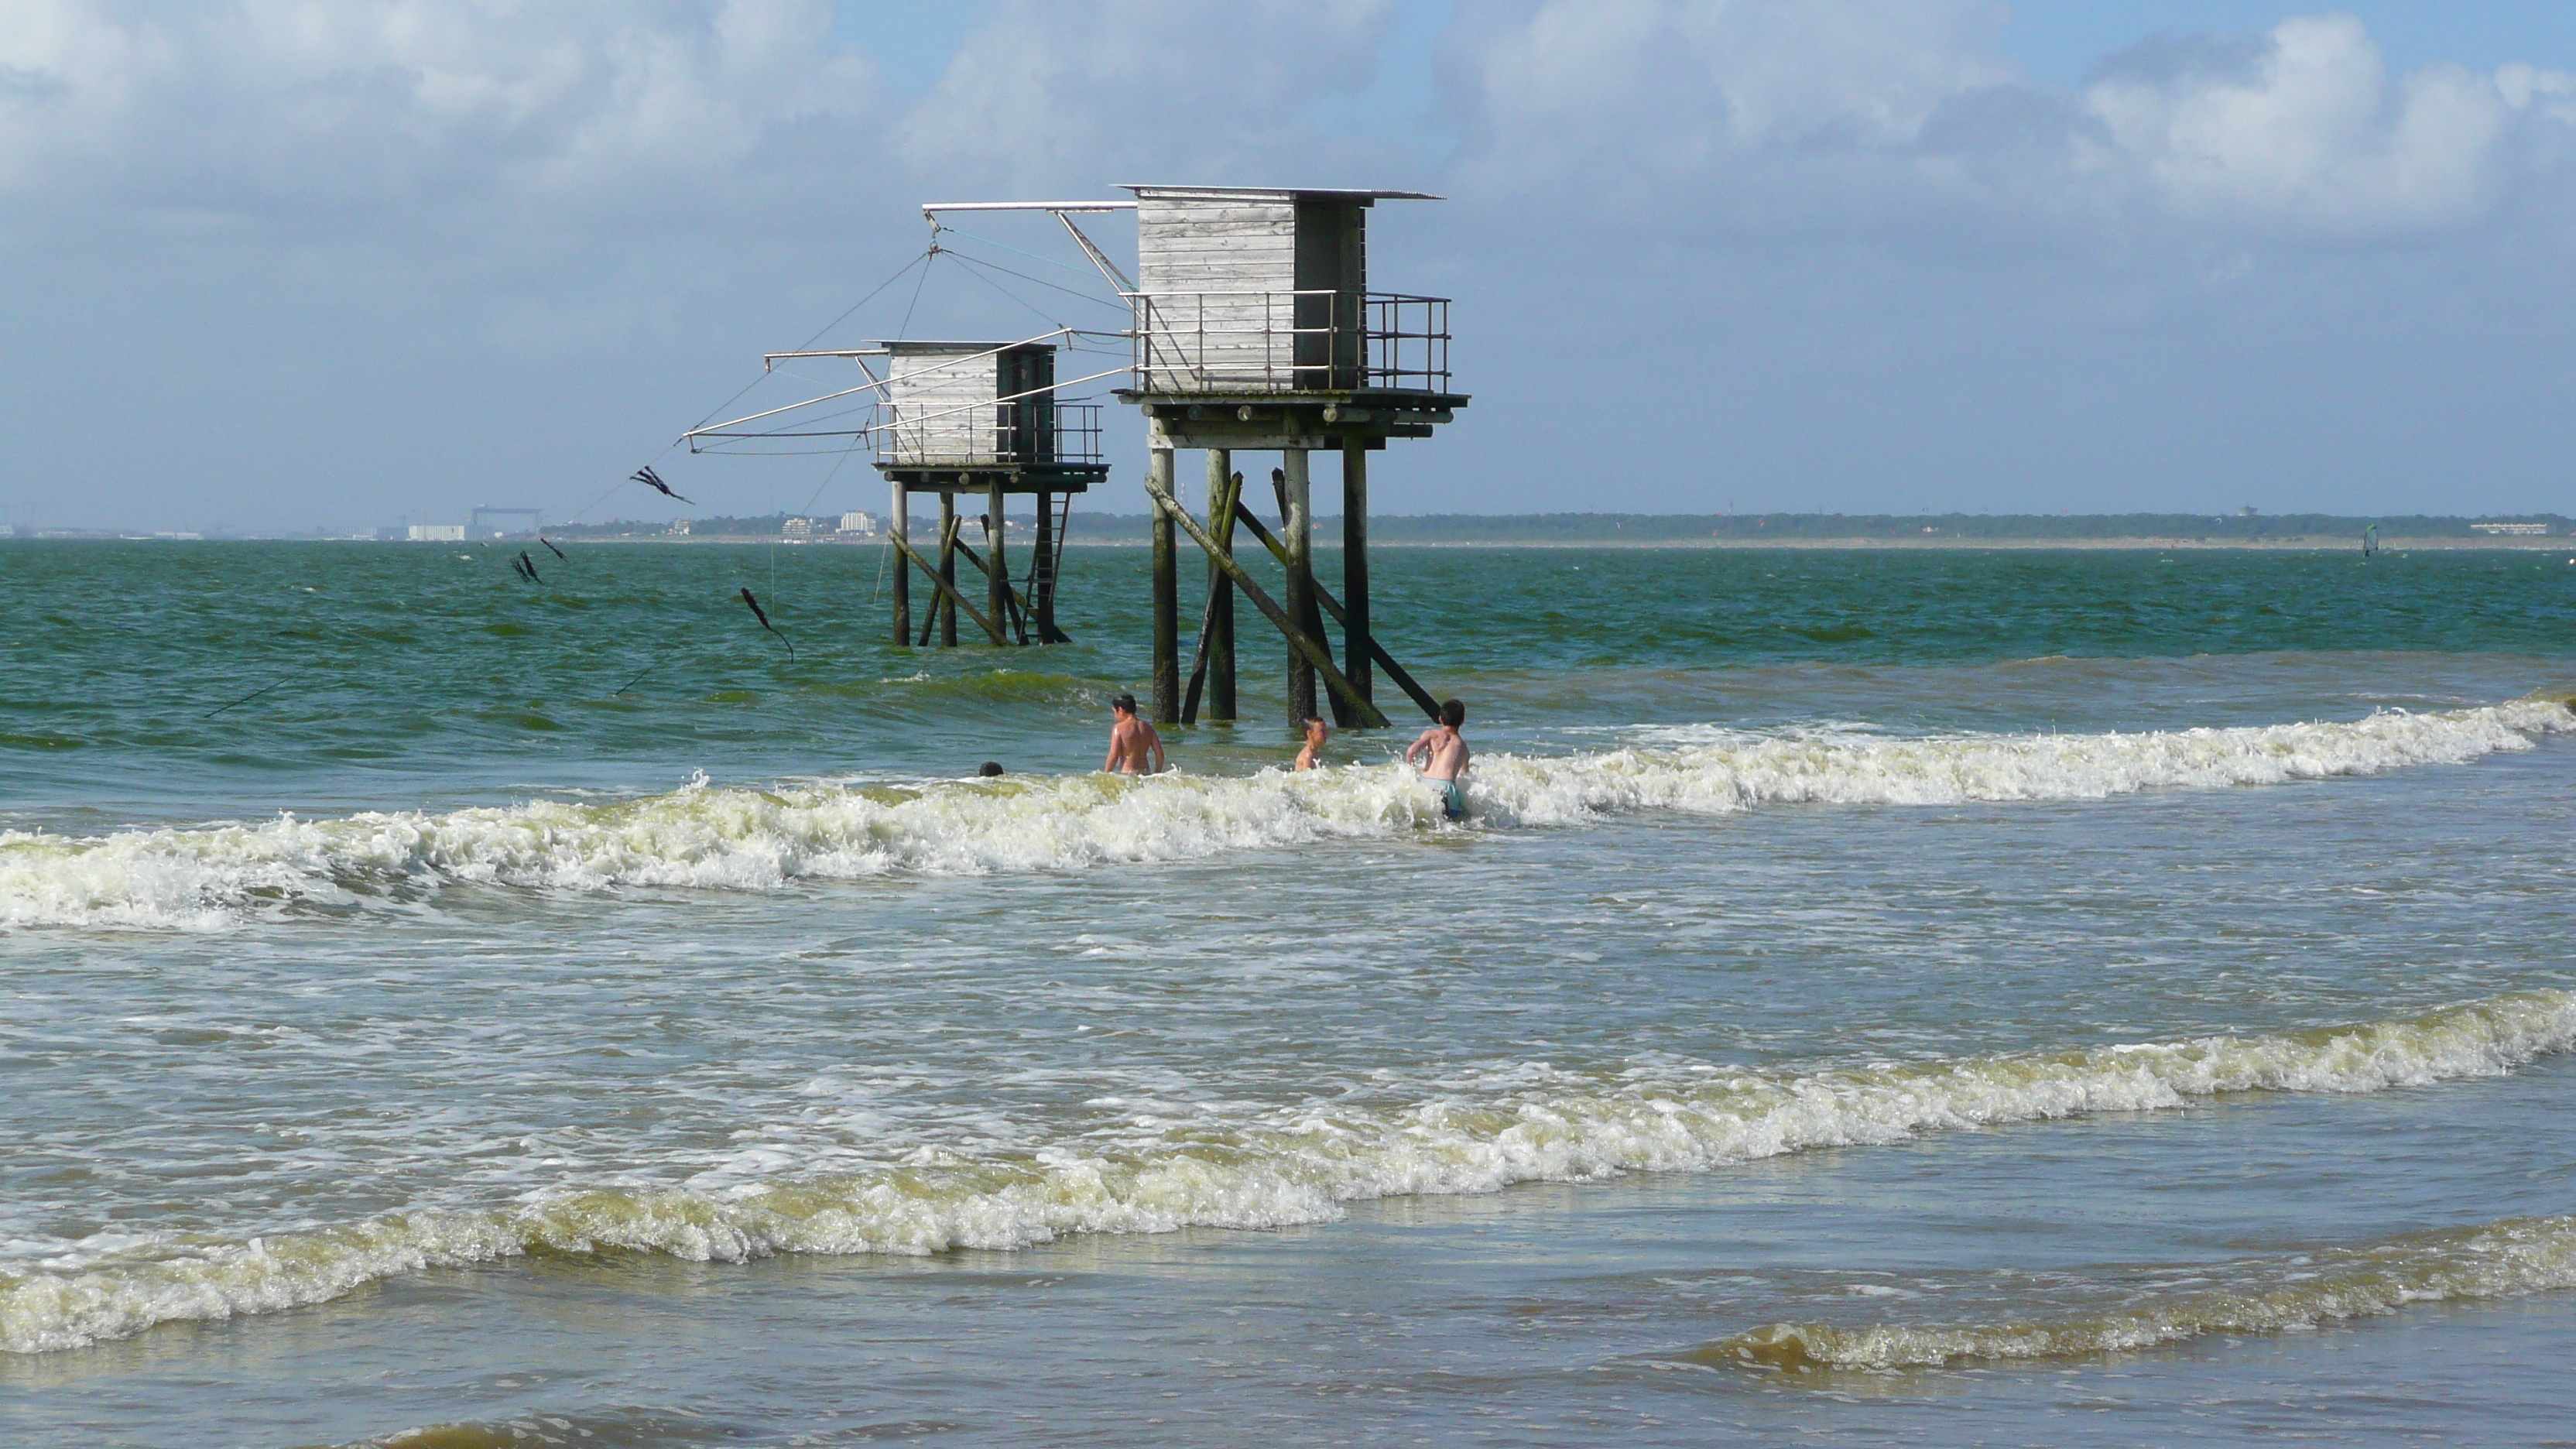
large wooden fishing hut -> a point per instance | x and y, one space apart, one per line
1255 331
980 421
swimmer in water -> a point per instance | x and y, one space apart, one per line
1312 754
1444 758
1134 748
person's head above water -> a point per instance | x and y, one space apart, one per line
1124 704
1313 726
989 769
1453 713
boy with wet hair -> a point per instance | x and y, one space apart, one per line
1311 754
1444 753
1134 748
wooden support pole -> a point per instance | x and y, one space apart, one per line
1298 639
1221 601
1042 570
898 525
1222 494
948 594
1356 638
947 570
1300 534
1167 603
930 619
997 575
1403 678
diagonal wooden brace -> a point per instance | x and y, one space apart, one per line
950 590
1019 604
1316 654
1333 606
1207 617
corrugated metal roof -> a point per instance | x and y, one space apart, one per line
1273 193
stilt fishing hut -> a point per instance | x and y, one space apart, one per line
980 420
1254 331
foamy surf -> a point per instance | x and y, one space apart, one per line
1290 1165
2268 1295
708 837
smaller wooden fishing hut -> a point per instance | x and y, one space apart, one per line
980 420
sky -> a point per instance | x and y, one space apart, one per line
282 264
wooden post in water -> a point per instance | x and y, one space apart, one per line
997 574
1167 602
1355 578
1042 569
1301 581
899 526
947 570
1220 590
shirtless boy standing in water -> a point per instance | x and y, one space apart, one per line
1134 748
1312 756
1444 761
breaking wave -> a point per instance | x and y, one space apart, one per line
2499 1260
753 839
1288 1165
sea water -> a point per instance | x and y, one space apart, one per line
1913 997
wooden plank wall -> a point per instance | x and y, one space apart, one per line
1188 248
943 383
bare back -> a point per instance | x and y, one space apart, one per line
1444 753
1134 748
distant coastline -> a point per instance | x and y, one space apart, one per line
2129 531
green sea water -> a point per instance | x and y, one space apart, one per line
1877 996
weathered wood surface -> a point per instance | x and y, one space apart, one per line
1356 638
1215 246
997 574
1214 658
932 398
947 610
1045 558
1315 653
1214 272
898 526
1221 657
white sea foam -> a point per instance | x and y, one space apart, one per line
2498 1260
1291 1165
748 839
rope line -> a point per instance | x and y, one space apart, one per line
764 374
1006 292
1039 282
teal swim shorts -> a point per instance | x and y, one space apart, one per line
1454 801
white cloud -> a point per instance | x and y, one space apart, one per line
1042 91
262 103
1565 89
1857 115
2310 133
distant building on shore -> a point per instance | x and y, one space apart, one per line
438 533
859 522
2533 530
